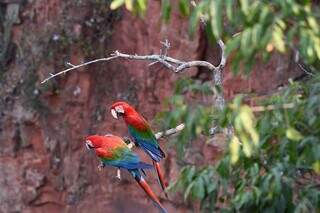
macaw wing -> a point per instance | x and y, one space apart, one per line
122 157
147 140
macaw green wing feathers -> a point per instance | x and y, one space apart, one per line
146 135
148 142
121 157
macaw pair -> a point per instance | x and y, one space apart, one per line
113 151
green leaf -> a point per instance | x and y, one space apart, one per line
247 148
313 23
245 42
188 190
247 121
234 147
233 44
316 166
184 7
245 6
166 10
142 5
115 4
256 34
293 134
216 17
129 4
198 190
195 17
229 9
278 39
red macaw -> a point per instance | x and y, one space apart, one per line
113 151
141 132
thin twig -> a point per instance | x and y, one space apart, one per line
297 61
271 107
223 60
73 67
268 107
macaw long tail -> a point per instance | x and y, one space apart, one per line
163 183
144 185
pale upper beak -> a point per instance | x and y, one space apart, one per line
89 145
114 113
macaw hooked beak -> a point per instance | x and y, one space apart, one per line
114 113
117 111
89 145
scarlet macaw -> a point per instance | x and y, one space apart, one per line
141 132
113 151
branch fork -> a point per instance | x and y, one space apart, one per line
172 64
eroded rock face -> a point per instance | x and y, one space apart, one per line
43 163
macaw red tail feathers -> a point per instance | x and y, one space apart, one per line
144 185
163 183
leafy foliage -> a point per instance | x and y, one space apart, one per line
198 118
252 29
272 163
136 6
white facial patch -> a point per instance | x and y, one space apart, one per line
89 144
117 110
114 113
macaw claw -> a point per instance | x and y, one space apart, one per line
100 167
118 174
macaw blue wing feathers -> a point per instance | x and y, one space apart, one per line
147 141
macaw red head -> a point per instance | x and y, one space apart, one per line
105 141
94 141
120 108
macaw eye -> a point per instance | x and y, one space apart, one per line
89 144
119 109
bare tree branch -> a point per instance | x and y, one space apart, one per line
272 107
167 61
219 101
170 132
223 60
172 64
73 67
218 78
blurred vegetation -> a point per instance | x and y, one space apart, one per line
251 28
272 161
